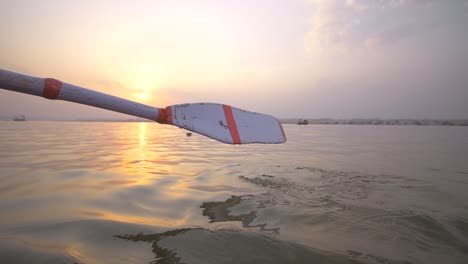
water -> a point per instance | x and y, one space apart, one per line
147 193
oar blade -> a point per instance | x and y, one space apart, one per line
226 124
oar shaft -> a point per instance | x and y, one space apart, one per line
54 89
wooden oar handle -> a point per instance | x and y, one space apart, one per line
54 89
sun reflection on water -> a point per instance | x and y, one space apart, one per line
130 172
135 158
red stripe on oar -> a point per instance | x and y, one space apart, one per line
165 115
231 124
52 88
161 116
169 114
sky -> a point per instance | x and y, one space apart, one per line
289 58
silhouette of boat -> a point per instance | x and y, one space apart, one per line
19 118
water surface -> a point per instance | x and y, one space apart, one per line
147 193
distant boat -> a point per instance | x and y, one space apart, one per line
303 122
19 118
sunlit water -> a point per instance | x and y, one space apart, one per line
147 193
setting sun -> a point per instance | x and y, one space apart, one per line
143 96
144 79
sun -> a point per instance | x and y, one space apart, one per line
144 79
144 88
144 96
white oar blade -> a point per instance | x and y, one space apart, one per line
226 124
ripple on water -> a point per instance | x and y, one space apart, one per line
198 245
340 203
275 200
97 241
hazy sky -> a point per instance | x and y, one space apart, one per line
290 58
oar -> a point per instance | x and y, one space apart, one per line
218 121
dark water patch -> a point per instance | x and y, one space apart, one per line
418 187
220 212
263 182
14 251
430 228
461 231
378 178
197 245
462 225
218 188
321 171
369 258
163 255
432 233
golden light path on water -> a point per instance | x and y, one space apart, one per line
141 160
134 172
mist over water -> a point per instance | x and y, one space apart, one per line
147 193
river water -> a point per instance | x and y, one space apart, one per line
77 192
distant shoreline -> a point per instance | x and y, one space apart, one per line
310 121
376 121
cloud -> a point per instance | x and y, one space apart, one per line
400 3
357 5
331 25
340 27
390 36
